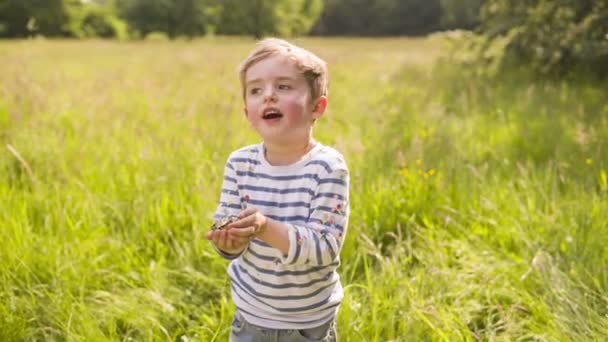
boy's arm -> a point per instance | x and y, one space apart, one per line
319 241
230 205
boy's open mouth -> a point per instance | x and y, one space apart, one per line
271 113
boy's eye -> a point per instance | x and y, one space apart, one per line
284 87
254 91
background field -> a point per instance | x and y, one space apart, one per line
479 204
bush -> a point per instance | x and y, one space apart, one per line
156 36
554 37
99 22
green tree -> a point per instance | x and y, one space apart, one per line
379 17
405 17
174 17
24 18
553 36
253 17
265 17
296 17
98 20
460 14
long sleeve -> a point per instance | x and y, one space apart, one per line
319 241
230 201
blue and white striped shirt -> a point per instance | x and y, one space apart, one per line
302 289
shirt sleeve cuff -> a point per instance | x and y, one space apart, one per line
229 256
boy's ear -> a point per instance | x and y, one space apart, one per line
319 108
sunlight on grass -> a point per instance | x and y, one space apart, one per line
479 205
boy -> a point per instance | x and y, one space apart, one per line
290 198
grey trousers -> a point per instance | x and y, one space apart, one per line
241 331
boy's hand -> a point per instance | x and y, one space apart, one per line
236 236
226 243
251 222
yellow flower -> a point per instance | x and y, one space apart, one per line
431 172
404 172
589 161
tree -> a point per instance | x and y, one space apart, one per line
379 17
411 17
460 14
174 17
269 17
254 17
296 17
552 36
98 19
24 18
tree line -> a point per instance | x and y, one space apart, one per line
551 36
191 18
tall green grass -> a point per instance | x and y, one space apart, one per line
479 205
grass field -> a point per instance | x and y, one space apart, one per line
479 205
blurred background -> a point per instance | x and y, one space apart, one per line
554 35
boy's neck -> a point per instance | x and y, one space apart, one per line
282 154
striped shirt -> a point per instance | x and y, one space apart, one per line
301 289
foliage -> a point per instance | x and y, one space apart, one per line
296 17
60 18
256 17
25 18
199 17
460 14
379 17
176 18
98 21
269 17
554 37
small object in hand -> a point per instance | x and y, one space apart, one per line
223 222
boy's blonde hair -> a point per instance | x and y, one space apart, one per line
312 67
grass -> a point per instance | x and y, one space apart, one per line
479 204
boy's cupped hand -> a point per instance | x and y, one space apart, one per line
237 234
250 223
226 243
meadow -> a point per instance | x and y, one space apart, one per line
479 203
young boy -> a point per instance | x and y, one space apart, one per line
290 196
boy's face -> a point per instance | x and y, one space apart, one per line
278 102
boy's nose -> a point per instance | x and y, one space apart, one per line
270 96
